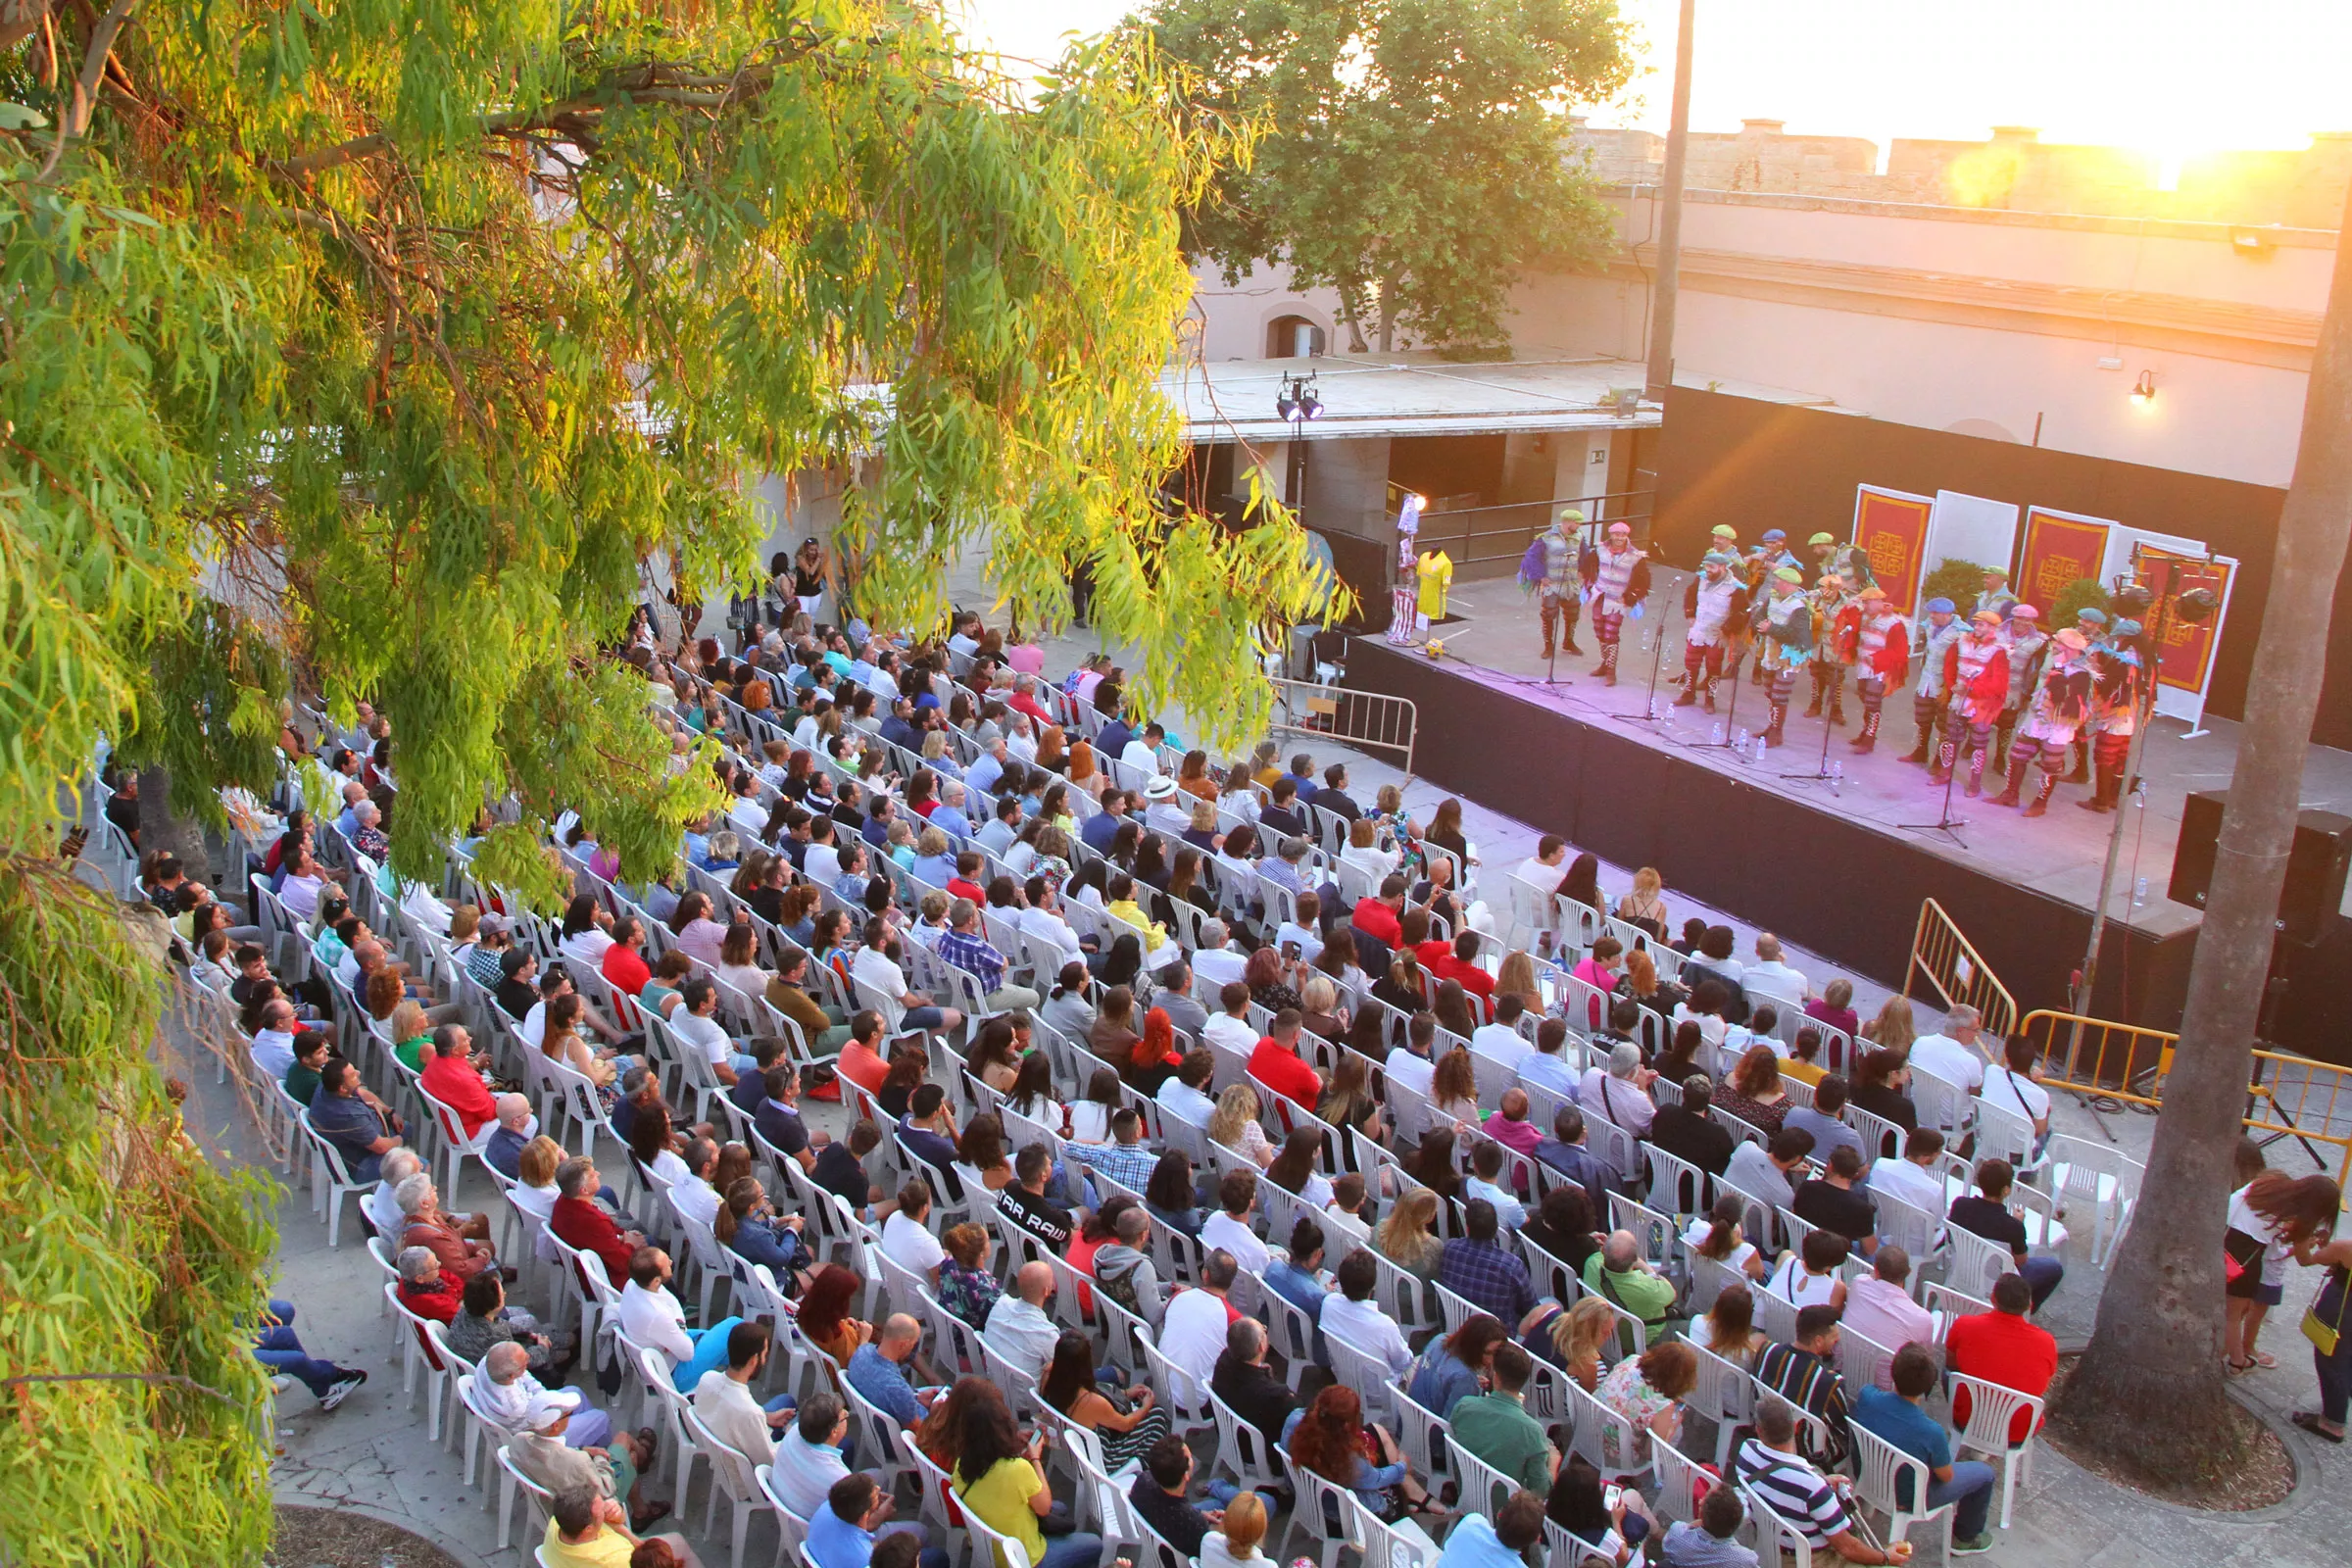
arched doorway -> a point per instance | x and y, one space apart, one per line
1293 337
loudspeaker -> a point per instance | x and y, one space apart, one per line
2315 868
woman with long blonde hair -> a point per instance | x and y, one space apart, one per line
1892 1029
1233 1123
1575 1338
1408 1237
1517 978
1645 905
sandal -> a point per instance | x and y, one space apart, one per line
2237 1368
2265 1360
2309 1421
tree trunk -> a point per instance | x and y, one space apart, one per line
2149 1390
160 829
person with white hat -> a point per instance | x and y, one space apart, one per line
1616 578
1712 603
1976 680
2061 703
1880 642
1926 698
2027 643
1787 643
1163 814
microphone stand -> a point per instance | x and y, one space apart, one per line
1820 773
1945 823
1650 714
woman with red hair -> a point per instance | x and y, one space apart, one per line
1329 1438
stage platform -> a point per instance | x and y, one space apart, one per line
1839 864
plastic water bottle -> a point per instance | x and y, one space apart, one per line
1837 770
1715 736
2140 893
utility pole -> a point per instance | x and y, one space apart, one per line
1667 280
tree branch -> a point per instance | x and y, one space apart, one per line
71 124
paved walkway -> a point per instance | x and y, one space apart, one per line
373 1453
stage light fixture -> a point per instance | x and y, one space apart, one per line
2197 607
2144 391
1310 405
1285 406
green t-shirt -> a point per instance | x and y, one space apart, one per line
1650 1297
411 1052
302 1083
1001 1500
1496 1428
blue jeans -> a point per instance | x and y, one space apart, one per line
277 1348
710 1353
924 1018
1971 1487
1078 1550
2043 1275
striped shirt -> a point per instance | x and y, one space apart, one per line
1791 1489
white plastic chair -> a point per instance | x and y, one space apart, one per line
1990 1411
538 1501
731 1473
1882 1474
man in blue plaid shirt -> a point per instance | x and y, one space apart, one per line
1476 1268
967 948
1124 1160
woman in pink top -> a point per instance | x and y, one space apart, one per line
1600 969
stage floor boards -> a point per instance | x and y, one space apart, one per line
2059 855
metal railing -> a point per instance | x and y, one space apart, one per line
1958 971
1372 721
1482 537
2286 1096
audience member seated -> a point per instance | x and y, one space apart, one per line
2005 1347
1898 1416
1986 1213
1619 1272
1690 1133
1805 1374
1482 1271
1770 1465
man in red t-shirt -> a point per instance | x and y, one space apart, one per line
450 1078
623 965
1462 965
1276 1062
2004 1346
1380 916
861 1059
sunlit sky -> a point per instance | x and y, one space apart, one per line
2167 77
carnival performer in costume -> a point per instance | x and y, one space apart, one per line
2091 623
1995 595
1976 683
1879 642
1711 604
1560 551
1762 562
1830 595
2114 714
1616 576
2026 642
2061 701
1926 698
1851 562
1786 644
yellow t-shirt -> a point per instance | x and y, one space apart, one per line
606 1548
1437 573
1001 1500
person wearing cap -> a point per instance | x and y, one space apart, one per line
1616 578
1757 568
1830 597
1877 641
2028 643
1724 537
2061 703
1562 547
2114 714
1851 562
2093 623
1926 698
1713 601
1976 682
1995 595
1787 643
